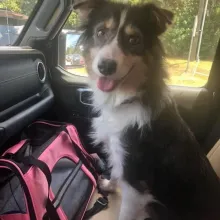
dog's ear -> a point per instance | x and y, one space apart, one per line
161 18
84 7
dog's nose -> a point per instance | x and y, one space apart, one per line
107 67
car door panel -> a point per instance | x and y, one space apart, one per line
67 89
25 92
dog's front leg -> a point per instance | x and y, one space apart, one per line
133 203
108 185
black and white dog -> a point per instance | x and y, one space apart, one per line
153 155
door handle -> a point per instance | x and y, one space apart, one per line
84 96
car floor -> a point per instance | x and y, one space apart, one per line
111 213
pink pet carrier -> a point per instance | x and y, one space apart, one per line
49 175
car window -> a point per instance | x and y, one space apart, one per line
13 16
190 43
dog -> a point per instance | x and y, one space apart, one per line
153 155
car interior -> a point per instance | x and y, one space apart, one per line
34 85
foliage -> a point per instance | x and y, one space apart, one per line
176 40
27 6
21 6
72 21
72 50
14 5
211 30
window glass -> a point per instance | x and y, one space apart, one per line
190 43
74 61
13 16
192 40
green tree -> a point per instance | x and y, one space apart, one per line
27 6
21 6
73 21
70 50
211 31
177 38
13 5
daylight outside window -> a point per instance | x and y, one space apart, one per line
74 61
13 16
190 43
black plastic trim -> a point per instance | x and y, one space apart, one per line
6 114
48 11
21 119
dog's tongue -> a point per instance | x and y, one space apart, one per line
105 84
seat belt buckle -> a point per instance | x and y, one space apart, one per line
103 202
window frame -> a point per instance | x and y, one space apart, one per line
28 22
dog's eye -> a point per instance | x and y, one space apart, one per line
134 40
101 33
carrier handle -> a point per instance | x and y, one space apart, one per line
51 210
10 165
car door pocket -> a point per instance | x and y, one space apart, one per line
85 96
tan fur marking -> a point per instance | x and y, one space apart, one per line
110 23
129 30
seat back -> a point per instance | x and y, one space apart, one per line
214 157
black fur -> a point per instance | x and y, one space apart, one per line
167 160
163 158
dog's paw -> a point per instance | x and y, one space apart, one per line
107 185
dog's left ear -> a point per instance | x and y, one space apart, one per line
84 7
161 18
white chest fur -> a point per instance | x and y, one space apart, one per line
108 129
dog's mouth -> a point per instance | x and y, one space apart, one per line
106 84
